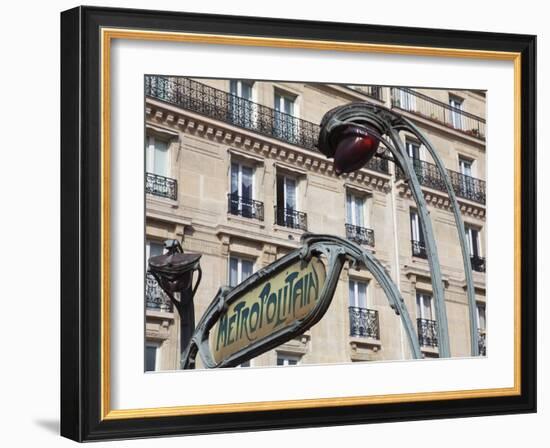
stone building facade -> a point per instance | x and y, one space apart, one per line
233 173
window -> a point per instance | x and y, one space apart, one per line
239 270
240 106
472 237
242 190
357 294
287 203
407 100
426 324
151 357
152 249
456 115
417 236
467 182
287 360
424 306
355 210
413 149
286 125
465 166
157 156
481 319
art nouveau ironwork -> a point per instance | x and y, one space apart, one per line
365 123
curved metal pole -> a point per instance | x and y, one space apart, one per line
431 247
359 255
461 234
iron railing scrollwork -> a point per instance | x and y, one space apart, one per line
464 186
437 111
155 298
162 186
363 322
241 112
478 263
481 342
427 332
418 249
289 217
245 207
360 235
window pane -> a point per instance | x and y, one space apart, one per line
234 179
362 292
161 158
481 317
233 271
290 189
359 212
349 209
427 308
246 91
351 293
150 358
156 249
233 86
246 269
247 174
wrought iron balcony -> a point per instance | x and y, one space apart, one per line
155 298
360 235
229 108
478 263
466 187
442 113
363 322
161 186
481 340
427 332
248 208
418 249
290 218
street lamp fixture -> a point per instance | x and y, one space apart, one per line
174 271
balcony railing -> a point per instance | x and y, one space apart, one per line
155 298
360 235
245 207
478 263
290 218
481 342
466 187
161 186
442 113
229 108
363 322
418 249
427 332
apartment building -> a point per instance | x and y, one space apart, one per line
233 172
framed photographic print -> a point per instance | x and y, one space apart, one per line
273 224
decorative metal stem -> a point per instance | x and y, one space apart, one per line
429 240
470 290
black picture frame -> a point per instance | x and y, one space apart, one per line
81 224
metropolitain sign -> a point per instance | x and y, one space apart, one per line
282 301
273 305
